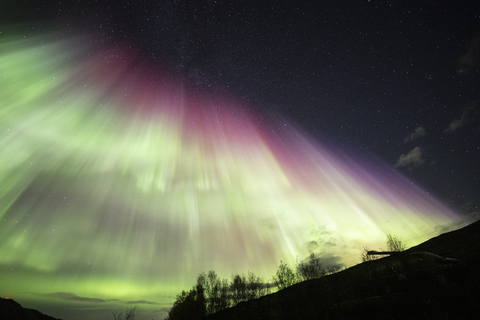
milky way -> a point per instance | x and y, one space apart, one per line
119 181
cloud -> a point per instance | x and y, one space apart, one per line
68 296
141 302
73 297
417 133
312 245
470 59
466 117
414 157
455 124
331 260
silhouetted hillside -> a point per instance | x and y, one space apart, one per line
416 284
12 310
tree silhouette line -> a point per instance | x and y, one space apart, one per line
211 294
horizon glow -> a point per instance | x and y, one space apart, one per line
121 184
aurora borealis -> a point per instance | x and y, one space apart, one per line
120 183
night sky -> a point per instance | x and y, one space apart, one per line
143 142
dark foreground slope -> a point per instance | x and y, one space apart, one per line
12 310
411 285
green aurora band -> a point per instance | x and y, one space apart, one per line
120 184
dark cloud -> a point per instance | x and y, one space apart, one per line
73 297
312 245
68 296
413 157
322 239
332 242
141 302
330 260
417 133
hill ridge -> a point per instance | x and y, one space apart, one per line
12 310
405 286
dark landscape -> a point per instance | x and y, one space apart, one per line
411 285
438 279
12 310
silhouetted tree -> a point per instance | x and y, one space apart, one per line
212 291
255 286
310 268
238 289
212 294
185 307
395 244
224 301
128 315
200 306
284 277
190 305
217 293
